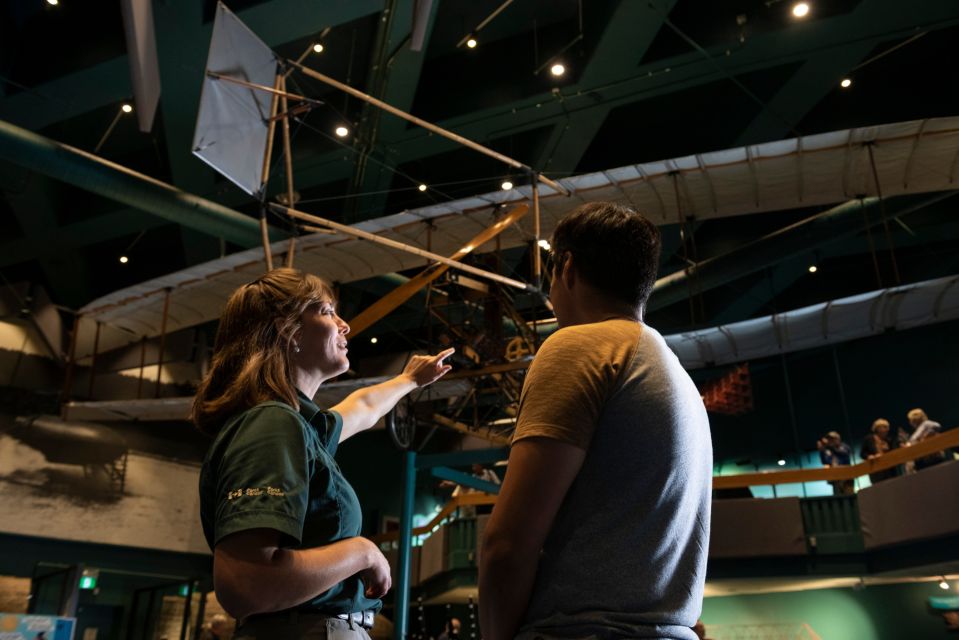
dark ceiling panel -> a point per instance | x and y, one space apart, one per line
48 42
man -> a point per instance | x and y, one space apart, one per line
833 452
602 525
878 442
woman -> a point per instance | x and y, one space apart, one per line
282 521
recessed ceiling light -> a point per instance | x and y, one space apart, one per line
813 268
374 340
124 259
846 83
127 108
422 187
801 9
471 43
544 243
53 3
317 48
781 462
557 69
342 131
507 185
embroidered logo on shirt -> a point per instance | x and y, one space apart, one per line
253 492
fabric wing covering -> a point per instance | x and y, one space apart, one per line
823 169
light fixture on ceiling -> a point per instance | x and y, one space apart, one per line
127 108
781 462
342 131
471 42
800 9
507 185
544 244
557 69
846 83
53 3
813 268
124 259
317 48
374 340
422 187
943 584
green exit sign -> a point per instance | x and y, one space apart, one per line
88 582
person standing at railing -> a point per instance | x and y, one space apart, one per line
833 452
922 429
881 440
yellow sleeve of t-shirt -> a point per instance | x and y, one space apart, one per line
573 374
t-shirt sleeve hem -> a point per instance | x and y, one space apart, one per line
282 522
552 432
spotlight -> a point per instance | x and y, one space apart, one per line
422 187
846 83
507 185
342 131
317 48
781 462
127 108
943 584
813 268
471 43
53 3
801 9
544 244
124 259
374 340
557 69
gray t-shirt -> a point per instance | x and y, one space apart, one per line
626 556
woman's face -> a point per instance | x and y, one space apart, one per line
322 340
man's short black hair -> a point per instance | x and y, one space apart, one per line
614 248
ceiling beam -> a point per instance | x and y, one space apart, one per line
798 43
65 271
69 96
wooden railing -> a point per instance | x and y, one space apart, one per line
889 460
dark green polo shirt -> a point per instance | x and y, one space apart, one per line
272 467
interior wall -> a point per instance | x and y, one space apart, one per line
881 376
888 612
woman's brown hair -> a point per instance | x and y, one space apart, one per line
252 353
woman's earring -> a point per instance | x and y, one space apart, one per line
296 348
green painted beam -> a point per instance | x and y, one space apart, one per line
65 271
69 96
78 234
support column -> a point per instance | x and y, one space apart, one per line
401 618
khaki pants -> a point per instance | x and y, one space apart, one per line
294 625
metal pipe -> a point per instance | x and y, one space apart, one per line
288 163
429 126
166 312
372 237
93 361
406 547
834 224
110 180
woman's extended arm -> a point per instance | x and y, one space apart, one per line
362 408
253 574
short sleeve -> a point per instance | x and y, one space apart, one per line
264 474
329 426
568 384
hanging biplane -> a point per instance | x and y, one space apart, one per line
245 100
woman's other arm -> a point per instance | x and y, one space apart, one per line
253 574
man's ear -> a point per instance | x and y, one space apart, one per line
569 272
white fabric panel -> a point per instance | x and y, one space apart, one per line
823 169
232 124
859 316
